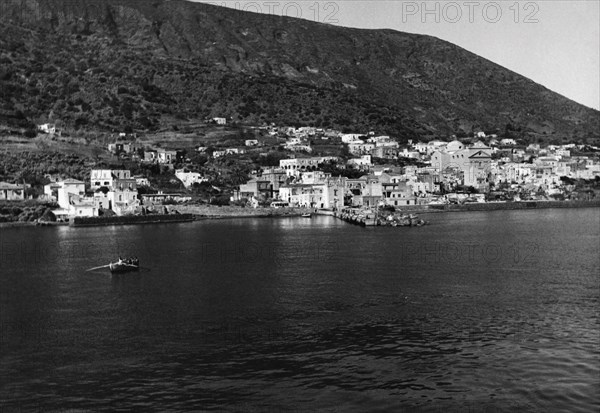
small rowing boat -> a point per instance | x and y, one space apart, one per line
125 265
308 215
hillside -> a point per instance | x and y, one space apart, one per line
111 64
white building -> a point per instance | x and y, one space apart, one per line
294 166
47 128
508 142
115 190
70 196
364 161
328 194
360 148
189 178
12 192
351 137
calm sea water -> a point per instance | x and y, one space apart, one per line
485 311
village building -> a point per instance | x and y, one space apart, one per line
189 178
228 151
351 137
264 186
12 192
294 166
508 142
470 165
161 156
71 198
141 181
276 177
49 128
398 194
365 191
360 148
385 152
253 191
324 194
435 145
115 190
364 162
405 153
123 147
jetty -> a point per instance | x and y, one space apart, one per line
368 217
358 216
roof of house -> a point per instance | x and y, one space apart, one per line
72 181
6 185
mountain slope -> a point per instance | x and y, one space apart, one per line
145 64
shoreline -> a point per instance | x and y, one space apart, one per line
225 212
200 213
500 206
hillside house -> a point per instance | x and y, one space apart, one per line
141 181
12 192
294 166
189 178
507 142
360 148
49 128
351 137
364 162
165 156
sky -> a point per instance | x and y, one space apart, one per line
555 43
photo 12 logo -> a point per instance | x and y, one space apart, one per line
469 11
318 11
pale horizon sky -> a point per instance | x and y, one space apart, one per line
556 43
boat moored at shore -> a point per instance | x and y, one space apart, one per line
367 217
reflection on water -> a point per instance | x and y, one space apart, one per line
487 311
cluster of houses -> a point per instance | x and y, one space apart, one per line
306 187
300 180
109 190
445 168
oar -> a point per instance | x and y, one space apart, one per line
97 268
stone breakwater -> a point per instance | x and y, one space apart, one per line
130 219
211 211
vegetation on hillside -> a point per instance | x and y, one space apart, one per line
143 66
